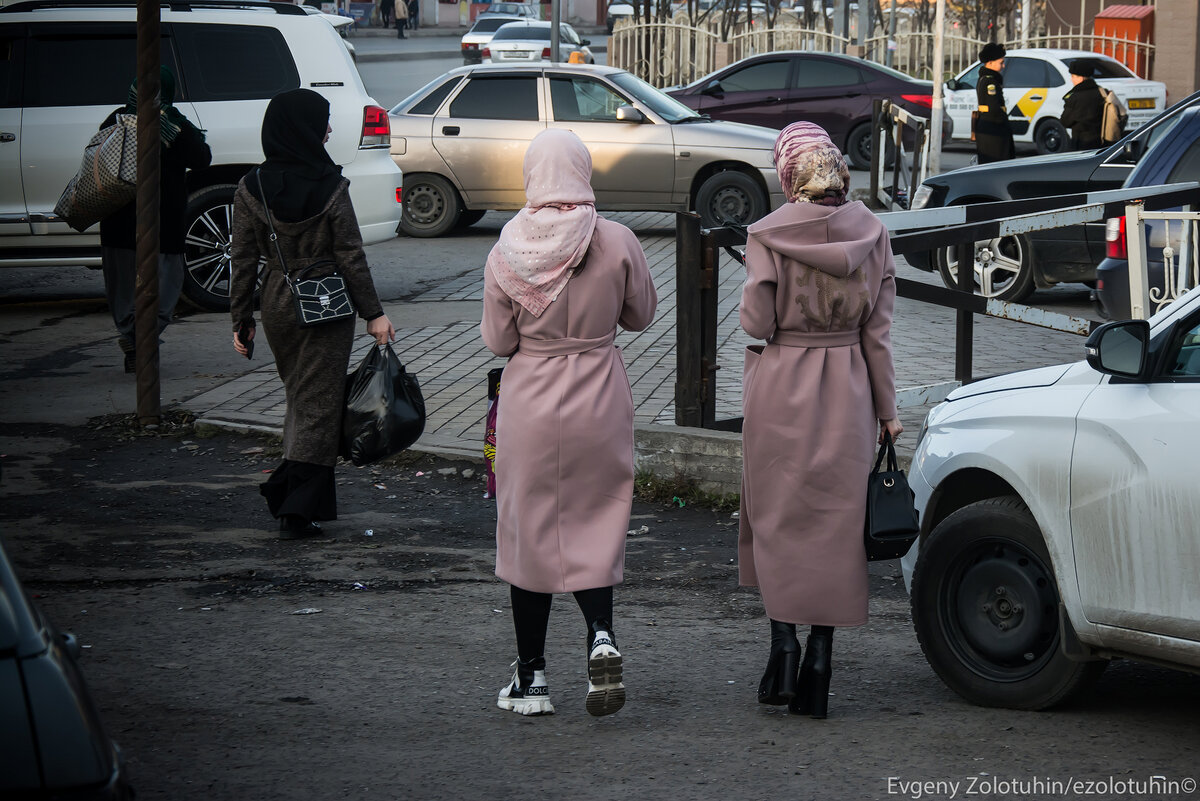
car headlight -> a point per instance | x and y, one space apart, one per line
921 434
921 197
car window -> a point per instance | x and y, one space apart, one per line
764 76
818 73
663 105
525 32
1188 167
1103 68
1184 362
510 97
1052 77
971 77
55 52
568 35
1024 73
11 50
489 24
235 62
580 99
433 101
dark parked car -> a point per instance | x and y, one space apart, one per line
836 92
1010 268
52 744
1175 159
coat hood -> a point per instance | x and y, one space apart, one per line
833 239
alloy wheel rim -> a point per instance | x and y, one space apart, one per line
208 248
997 264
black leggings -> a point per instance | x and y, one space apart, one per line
531 615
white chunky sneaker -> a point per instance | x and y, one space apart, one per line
606 692
527 693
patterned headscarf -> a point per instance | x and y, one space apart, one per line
539 248
811 167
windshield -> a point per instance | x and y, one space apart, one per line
489 24
664 106
524 32
1103 68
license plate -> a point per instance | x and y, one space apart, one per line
1141 102
519 53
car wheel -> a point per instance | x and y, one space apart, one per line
985 608
730 196
470 216
206 247
431 206
1004 267
858 148
1051 137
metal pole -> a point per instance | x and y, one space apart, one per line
965 321
839 18
688 324
1139 283
1026 13
891 40
149 402
936 112
864 27
555 21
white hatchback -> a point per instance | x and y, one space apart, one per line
1060 517
229 61
1035 81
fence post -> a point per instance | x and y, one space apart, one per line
964 328
1139 282
710 259
688 346
877 143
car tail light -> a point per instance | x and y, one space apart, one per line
485 53
545 52
920 100
467 48
1115 245
376 129
400 194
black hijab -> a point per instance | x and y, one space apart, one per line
298 175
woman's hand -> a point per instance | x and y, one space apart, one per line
237 342
381 329
891 427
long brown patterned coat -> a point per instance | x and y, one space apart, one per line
311 361
819 289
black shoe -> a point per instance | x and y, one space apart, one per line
812 694
295 528
778 685
130 362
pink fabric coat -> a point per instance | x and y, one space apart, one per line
564 436
820 290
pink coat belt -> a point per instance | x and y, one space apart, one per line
564 346
816 339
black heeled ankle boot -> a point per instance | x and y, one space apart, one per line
812 694
778 685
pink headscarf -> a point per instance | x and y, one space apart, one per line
811 167
539 247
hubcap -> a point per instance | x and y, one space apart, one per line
425 205
731 203
997 264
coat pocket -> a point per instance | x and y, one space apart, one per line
753 357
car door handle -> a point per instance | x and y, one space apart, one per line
1035 97
450 130
854 94
5 136
773 100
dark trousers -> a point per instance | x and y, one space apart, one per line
120 283
531 615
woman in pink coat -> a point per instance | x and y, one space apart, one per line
819 289
557 285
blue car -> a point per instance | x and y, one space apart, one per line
1174 159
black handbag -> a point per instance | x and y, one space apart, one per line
324 299
892 523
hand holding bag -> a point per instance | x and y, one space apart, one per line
318 300
892 522
385 411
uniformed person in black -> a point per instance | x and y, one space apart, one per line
993 137
1083 107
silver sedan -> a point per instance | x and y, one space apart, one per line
526 41
461 143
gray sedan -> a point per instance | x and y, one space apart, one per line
526 41
461 143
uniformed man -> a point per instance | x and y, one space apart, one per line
1083 107
993 136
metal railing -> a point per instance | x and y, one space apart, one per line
1181 264
888 124
697 280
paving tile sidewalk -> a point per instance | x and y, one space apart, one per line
452 363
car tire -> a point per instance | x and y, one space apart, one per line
1004 268
1051 137
985 608
208 222
858 148
469 217
730 196
431 206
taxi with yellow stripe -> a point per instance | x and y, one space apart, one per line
1035 82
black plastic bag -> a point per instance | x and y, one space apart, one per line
385 411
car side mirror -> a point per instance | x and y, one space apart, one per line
952 84
1133 149
630 114
713 87
585 42
1119 348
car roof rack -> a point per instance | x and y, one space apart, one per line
173 5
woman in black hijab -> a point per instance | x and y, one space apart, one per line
310 207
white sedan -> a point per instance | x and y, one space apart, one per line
1060 517
1035 81
529 41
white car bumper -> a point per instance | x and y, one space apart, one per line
375 181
